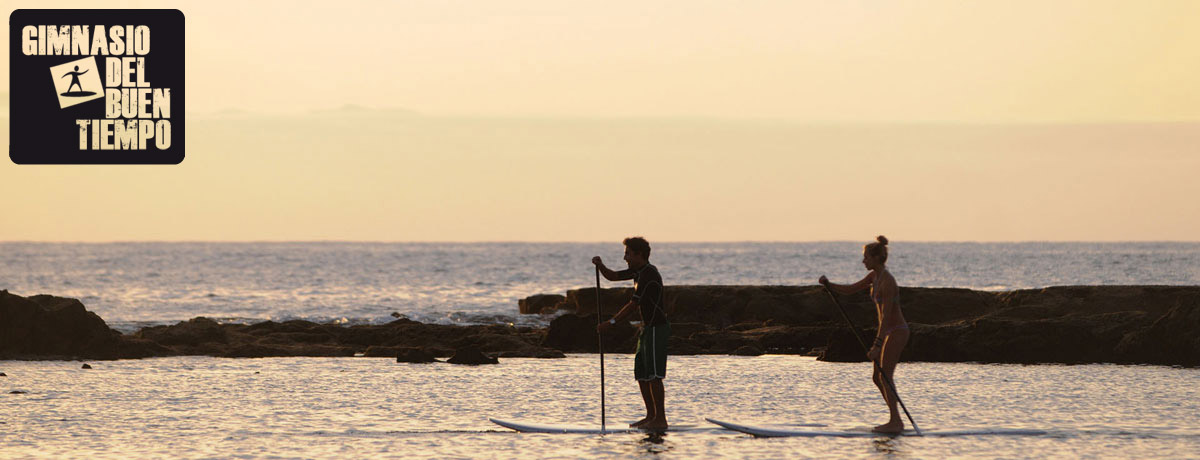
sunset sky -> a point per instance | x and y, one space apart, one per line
680 120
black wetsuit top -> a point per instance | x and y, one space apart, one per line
647 292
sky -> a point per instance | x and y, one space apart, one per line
683 121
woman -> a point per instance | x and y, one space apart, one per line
892 333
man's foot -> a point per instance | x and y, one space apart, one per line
895 426
657 424
639 423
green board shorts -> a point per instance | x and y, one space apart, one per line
650 362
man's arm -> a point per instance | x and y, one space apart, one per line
609 274
625 311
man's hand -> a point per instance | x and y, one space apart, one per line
604 327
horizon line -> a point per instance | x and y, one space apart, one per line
890 241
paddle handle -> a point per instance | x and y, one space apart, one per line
600 344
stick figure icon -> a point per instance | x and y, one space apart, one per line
75 79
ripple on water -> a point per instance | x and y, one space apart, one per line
361 407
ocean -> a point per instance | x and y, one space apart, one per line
207 407
204 407
132 285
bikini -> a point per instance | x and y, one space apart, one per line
878 298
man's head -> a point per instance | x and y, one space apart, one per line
637 251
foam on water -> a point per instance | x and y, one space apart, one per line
369 407
132 285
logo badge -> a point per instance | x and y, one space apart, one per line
96 87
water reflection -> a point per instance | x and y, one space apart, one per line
887 445
655 443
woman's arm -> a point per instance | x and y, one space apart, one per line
848 288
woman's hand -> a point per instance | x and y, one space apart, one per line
873 354
823 280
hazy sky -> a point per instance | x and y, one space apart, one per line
761 120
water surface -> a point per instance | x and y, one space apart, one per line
195 407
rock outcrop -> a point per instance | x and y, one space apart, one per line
48 327
1068 324
1072 324
471 356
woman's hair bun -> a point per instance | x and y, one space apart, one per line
881 239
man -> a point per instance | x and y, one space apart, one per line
650 363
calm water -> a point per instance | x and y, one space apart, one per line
134 284
194 407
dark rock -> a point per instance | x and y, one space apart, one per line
573 334
510 346
1070 324
3 374
45 326
254 350
134 347
381 351
86 366
583 301
538 352
540 304
1171 339
843 347
193 332
17 392
723 342
747 350
471 356
414 355
685 330
745 326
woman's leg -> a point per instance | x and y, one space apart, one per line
889 357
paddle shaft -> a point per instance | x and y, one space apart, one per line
600 343
886 378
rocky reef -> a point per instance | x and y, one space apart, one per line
47 327
1070 324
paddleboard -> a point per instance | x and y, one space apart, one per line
582 429
782 431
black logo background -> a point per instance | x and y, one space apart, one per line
42 133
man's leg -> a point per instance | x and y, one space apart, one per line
640 366
660 412
648 398
658 354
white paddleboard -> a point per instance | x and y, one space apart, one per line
782 431
583 429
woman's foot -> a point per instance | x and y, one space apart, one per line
655 424
894 426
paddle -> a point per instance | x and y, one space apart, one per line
600 340
886 378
